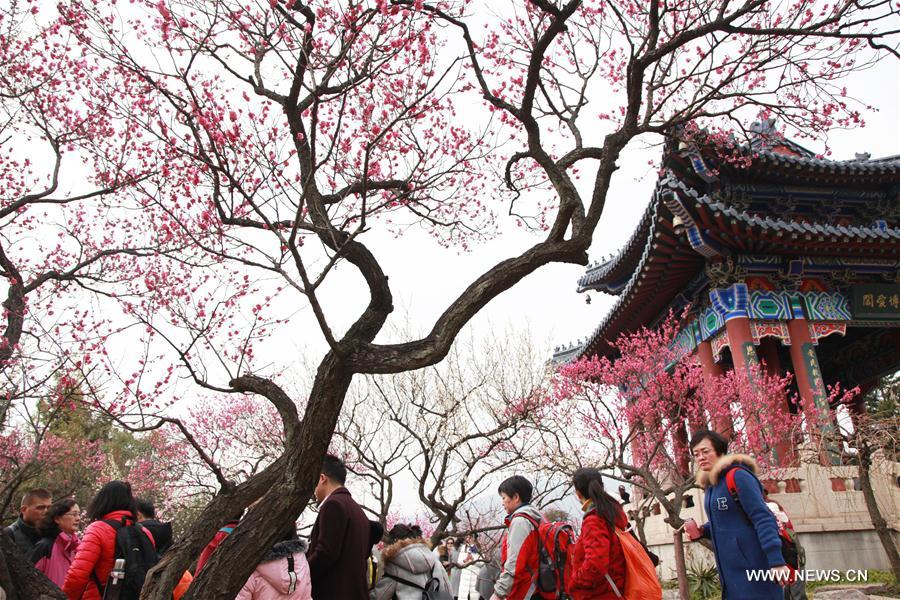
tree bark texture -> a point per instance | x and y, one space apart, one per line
20 580
683 588
878 521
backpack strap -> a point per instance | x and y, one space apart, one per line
612 585
407 582
530 519
543 553
116 525
537 529
731 484
100 588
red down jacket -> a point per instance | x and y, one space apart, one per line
96 554
597 552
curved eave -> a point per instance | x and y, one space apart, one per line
723 215
612 276
885 166
667 265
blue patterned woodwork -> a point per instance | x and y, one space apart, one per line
710 323
765 263
700 167
764 307
770 305
731 302
688 338
826 306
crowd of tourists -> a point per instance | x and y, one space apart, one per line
537 559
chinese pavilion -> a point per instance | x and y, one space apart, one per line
782 256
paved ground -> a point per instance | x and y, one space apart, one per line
828 593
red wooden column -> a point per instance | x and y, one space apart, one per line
732 304
785 450
711 369
809 378
740 341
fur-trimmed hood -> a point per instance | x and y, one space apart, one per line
711 477
284 549
275 578
412 555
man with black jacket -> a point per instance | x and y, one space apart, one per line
24 532
162 532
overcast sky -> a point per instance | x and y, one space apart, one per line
425 277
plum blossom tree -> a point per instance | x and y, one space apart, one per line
630 415
635 411
56 118
870 441
71 219
67 157
288 132
45 446
237 436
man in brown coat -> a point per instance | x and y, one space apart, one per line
339 543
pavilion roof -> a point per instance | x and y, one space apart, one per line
691 220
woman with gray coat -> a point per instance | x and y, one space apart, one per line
455 552
487 577
408 560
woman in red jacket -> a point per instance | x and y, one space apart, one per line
97 551
598 556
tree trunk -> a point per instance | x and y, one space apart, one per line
878 521
676 522
163 578
237 556
639 520
20 580
440 530
680 568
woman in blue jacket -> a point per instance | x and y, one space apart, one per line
745 534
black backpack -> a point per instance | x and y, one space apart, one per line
430 591
134 547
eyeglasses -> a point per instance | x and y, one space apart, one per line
701 452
